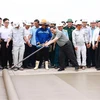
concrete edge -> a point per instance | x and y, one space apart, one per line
9 87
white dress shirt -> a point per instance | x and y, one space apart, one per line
88 31
4 33
27 33
95 35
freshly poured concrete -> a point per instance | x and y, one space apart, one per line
86 83
53 85
2 90
45 87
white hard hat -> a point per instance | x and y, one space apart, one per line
27 23
92 21
16 24
59 24
78 23
84 20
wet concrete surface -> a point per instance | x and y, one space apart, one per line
2 90
45 87
53 85
86 83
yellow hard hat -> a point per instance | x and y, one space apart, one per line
43 21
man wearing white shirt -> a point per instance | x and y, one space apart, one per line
79 37
6 53
91 51
0 43
26 63
95 46
87 30
18 36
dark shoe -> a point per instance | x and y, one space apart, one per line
80 67
98 68
15 69
21 69
60 69
29 67
84 67
76 69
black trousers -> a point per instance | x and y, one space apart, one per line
33 57
67 50
27 53
90 57
6 54
43 54
97 56
0 54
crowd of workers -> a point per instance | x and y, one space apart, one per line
67 43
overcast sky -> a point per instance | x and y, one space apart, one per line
52 10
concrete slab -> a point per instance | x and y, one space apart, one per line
2 90
45 87
86 83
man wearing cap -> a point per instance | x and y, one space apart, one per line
32 38
79 38
43 35
18 36
91 51
69 28
87 30
56 57
66 48
27 52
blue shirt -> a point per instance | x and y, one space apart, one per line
92 30
43 35
33 33
65 32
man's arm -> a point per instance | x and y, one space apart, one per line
51 41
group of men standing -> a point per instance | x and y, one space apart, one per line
63 43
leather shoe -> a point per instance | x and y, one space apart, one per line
60 69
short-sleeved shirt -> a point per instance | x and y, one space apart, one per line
17 35
33 33
62 39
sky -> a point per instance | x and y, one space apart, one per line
51 10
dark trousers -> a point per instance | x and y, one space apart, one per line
0 55
51 54
33 57
97 56
27 53
67 50
56 56
44 53
6 54
90 57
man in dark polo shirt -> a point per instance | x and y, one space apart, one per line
66 48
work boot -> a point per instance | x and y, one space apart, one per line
37 65
46 65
